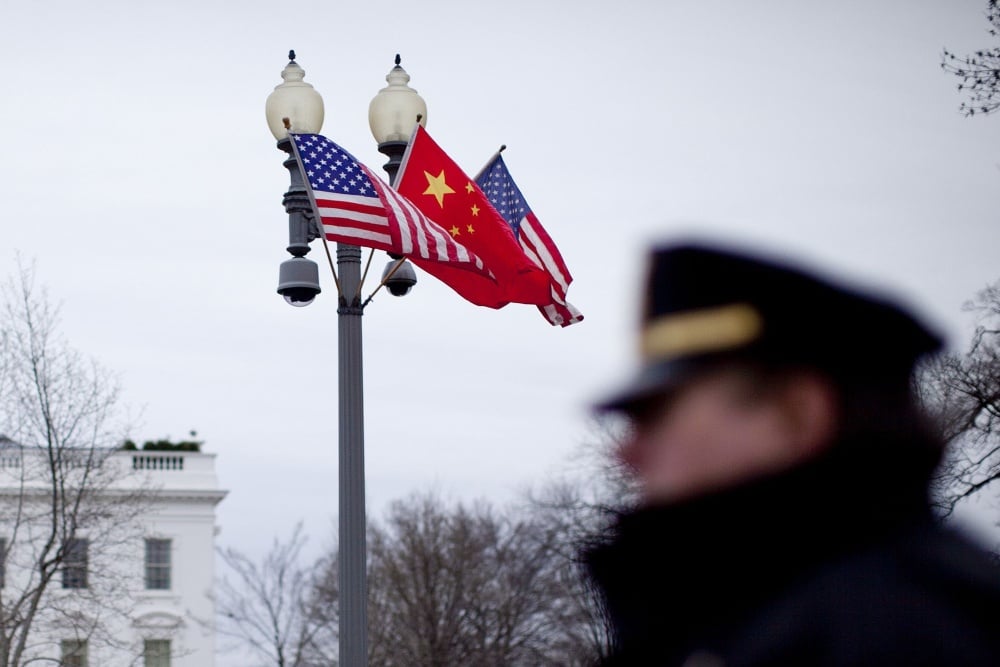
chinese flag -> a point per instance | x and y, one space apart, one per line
440 189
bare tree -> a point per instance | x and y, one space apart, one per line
461 585
65 516
962 392
322 604
264 606
979 73
455 584
576 510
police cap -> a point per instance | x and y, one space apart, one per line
704 305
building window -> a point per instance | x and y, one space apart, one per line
156 653
158 564
74 653
74 569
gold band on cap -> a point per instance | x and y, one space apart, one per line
701 331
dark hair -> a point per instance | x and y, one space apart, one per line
887 420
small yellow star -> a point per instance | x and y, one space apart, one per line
475 210
437 186
454 231
468 187
471 230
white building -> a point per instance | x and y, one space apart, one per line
134 588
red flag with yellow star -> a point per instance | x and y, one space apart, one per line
441 190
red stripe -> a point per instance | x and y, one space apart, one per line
533 252
363 241
347 237
369 209
550 245
411 229
338 221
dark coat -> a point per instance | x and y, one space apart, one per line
828 565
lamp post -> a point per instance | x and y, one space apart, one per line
294 106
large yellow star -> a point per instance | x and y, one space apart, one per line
436 186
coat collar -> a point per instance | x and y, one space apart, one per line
690 569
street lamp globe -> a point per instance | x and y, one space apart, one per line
294 105
395 109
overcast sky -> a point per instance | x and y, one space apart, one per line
141 177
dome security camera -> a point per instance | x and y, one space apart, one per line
298 281
402 279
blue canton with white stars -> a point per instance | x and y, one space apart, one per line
330 168
503 194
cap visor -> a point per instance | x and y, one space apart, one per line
651 380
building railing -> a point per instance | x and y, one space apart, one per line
147 462
164 470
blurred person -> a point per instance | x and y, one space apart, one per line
783 467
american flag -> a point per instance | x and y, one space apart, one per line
355 206
498 186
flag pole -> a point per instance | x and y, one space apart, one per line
364 276
493 159
385 279
329 259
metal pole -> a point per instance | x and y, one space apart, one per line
353 580
296 202
394 150
353 573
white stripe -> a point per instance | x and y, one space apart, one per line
393 213
414 228
548 262
551 314
355 233
406 241
428 230
405 212
575 315
529 250
443 241
360 200
341 214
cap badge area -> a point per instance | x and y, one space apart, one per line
700 331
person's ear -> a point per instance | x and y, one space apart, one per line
810 405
